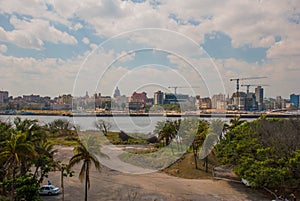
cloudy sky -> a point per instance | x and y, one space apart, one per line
52 47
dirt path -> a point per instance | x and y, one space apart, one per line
113 185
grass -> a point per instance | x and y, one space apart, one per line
65 141
185 167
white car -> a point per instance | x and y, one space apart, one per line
49 190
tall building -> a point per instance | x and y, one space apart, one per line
117 93
238 100
295 100
259 94
218 101
158 98
3 97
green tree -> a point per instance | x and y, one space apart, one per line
199 139
82 154
166 131
265 152
236 121
33 135
14 150
44 162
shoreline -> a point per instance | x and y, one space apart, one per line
244 115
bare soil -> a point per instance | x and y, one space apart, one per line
113 185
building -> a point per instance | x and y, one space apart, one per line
238 101
65 99
218 101
250 102
294 99
171 98
203 103
158 98
32 98
117 93
3 97
102 101
137 101
259 94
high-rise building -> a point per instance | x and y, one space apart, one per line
218 101
158 98
259 94
238 100
295 100
3 97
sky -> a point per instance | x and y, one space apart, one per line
54 47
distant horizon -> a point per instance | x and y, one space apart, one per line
91 94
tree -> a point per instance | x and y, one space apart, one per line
103 126
44 162
12 153
265 152
236 121
33 135
65 171
166 131
199 139
81 153
61 127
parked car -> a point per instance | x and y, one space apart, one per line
244 181
49 190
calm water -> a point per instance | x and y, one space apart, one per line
127 124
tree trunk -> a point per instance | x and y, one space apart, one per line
195 157
13 182
206 163
62 184
86 180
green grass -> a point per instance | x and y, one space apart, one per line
63 141
185 167
113 137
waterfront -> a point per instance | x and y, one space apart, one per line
140 124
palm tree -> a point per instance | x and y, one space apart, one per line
236 121
199 139
166 131
81 153
13 151
34 134
44 162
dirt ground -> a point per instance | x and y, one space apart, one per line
113 185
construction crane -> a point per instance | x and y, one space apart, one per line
238 82
252 85
176 87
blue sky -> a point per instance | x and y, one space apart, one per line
43 45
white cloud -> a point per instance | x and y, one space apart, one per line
85 40
32 33
3 48
252 23
46 77
78 26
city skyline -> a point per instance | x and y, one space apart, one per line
148 94
52 47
